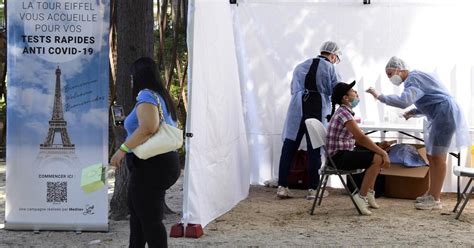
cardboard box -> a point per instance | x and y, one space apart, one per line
407 183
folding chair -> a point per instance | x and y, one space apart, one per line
464 172
317 135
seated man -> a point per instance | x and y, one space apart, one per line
343 134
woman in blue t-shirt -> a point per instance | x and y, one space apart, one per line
150 178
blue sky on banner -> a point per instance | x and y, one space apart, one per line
31 85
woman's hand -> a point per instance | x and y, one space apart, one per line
373 92
116 158
385 161
407 115
386 144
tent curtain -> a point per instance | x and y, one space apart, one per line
216 170
241 61
272 37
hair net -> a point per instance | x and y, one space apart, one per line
396 63
331 47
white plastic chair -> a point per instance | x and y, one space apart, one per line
317 134
469 173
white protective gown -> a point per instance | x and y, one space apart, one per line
326 79
444 118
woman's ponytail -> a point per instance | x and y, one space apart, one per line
328 117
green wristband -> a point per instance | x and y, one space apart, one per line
124 148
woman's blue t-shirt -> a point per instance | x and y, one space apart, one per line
146 96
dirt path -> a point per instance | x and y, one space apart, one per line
264 221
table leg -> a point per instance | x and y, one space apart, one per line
459 178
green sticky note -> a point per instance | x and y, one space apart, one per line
93 178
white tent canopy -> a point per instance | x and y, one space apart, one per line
241 61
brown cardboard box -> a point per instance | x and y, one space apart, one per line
404 182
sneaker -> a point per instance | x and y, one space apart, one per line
312 194
361 202
283 192
429 204
422 198
273 183
371 199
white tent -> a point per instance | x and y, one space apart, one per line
241 61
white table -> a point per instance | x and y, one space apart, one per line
406 129
385 126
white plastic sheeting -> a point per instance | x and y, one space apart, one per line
241 62
272 37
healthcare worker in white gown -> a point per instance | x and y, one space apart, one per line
444 129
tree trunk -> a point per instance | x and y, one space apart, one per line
162 17
134 39
3 58
3 84
174 51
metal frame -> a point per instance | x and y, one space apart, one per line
465 195
317 134
331 169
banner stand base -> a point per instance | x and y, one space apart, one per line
192 231
177 231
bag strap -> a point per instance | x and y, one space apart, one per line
160 110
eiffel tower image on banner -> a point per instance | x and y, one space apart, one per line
63 152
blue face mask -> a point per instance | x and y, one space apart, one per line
354 102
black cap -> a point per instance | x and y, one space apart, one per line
341 90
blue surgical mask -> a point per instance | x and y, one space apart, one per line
354 102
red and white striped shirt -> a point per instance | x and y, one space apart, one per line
339 138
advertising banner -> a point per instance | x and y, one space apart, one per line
57 115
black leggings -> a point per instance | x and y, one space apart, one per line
149 180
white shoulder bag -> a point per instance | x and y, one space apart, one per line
166 139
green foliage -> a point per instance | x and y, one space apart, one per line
182 56
169 42
182 50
